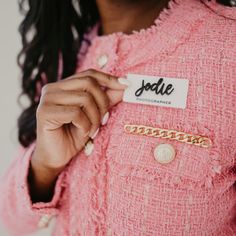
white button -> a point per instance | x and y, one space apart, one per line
102 60
164 153
88 149
233 3
44 221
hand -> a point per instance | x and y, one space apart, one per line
70 111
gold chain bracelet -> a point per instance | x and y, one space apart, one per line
168 134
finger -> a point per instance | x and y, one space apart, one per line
55 116
104 79
81 99
80 138
115 96
90 85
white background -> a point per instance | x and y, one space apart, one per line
10 86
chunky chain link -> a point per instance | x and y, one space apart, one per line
197 140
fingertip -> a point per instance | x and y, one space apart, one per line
123 81
92 136
105 118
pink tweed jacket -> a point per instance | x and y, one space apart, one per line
121 188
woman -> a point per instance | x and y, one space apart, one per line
133 135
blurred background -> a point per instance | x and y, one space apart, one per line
10 88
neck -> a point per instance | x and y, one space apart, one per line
128 15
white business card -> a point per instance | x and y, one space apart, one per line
156 90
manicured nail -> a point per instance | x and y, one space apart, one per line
95 134
88 149
123 81
105 118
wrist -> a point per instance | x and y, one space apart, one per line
41 182
38 165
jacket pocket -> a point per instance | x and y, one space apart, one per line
140 155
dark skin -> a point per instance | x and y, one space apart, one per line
128 15
55 147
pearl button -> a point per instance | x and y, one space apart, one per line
102 61
44 221
233 3
164 153
88 149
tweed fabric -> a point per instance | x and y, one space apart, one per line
120 189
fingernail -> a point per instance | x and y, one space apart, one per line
105 118
88 149
123 81
95 134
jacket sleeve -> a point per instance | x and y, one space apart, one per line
17 212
